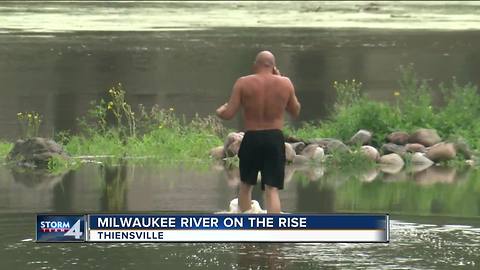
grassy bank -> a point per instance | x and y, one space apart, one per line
113 128
413 108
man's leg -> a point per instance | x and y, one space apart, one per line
245 196
272 199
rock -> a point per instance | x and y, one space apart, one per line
330 145
299 160
391 159
232 143
415 147
441 152
398 137
291 139
463 148
420 162
35 152
420 159
289 152
298 147
390 148
362 137
426 137
217 152
313 152
370 152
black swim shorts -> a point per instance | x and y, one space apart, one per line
263 151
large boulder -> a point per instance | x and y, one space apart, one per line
415 147
298 147
390 148
441 152
391 163
393 159
420 159
426 137
463 148
217 152
35 152
232 143
370 152
362 137
398 137
313 152
330 145
289 152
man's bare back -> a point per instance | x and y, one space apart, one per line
264 96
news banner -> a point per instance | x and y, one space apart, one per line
212 228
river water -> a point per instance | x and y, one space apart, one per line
55 57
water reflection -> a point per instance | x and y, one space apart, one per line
130 187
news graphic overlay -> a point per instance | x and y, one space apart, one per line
238 228
61 228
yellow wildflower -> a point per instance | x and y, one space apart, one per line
161 126
19 114
171 109
396 93
29 115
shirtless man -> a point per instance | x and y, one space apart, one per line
264 96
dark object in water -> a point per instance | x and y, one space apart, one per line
35 152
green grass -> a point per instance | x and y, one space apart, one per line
5 148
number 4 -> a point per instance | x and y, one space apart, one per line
75 231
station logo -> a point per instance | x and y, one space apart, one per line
60 228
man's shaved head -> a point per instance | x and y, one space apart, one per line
265 59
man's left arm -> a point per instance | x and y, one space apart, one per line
228 110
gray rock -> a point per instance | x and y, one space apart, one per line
415 147
426 137
370 152
35 152
463 148
398 137
232 143
420 159
441 152
330 145
313 152
289 152
298 147
217 152
362 137
389 148
393 159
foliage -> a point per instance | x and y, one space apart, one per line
412 109
29 123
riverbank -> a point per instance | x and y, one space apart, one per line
114 129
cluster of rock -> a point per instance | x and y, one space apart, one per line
423 147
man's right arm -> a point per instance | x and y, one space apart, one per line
293 106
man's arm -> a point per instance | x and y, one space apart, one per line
293 106
228 110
